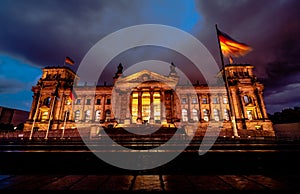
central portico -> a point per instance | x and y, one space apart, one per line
145 97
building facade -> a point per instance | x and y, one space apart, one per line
149 98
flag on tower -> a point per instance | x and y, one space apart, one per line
231 47
69 61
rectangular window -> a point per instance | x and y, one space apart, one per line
215 100
204 100
78 101
194 100
98 102
183 101
88 101
225 100
108 101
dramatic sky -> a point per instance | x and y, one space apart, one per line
35 34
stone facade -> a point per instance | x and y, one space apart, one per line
148 98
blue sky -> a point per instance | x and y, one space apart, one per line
17 78
35 34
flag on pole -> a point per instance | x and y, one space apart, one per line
72 96
231 47
69 61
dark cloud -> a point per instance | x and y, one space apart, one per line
8 86
271 28
44 32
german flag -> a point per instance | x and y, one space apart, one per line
231 47
72 96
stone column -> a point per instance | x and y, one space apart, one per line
200 107
103 107
263 106
163 107
243 105
235 104
173 106
139 118
93 108
221 112
34 107
57 106
210 107
189 107
127 108
151 108
258 114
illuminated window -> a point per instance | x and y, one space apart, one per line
134 107
97 115
205 115
194 100
216 115
45 116
195 115
215 100
249 114
78 101
226 114
184 115
156 106
47 101
87 116
247 99
225 100
77 115
146 106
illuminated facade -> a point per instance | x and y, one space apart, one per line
148 98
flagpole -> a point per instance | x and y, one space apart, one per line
35 114
233 119
65 120
51 112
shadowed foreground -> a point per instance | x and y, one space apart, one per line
229 167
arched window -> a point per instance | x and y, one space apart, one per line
195 115
47 101
87 116
205 115
107 115
226 114
247 99
216 115
250 114
97 115
184 115
77 115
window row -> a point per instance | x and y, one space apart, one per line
206 115
89 101
215 100
87 117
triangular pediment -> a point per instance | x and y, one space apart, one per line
144 76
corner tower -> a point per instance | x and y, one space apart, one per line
51 103
247 101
